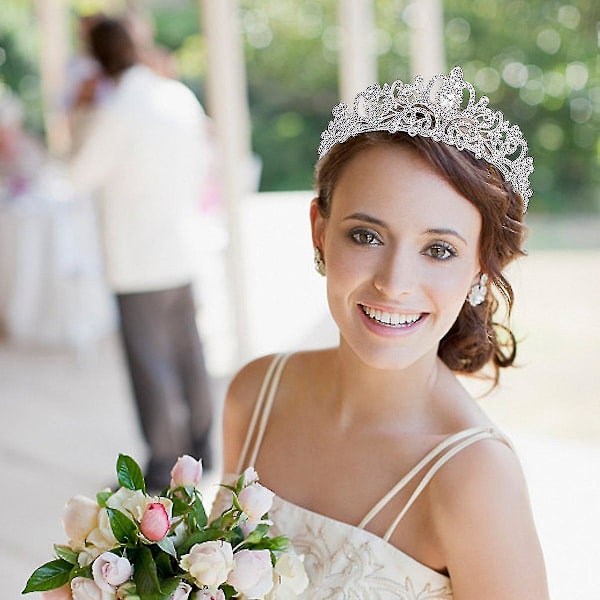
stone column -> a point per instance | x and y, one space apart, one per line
228 107
427 38
358 61
53 18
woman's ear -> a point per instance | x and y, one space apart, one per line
317 225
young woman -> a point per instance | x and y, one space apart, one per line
388 477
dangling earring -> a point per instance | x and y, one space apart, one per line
478 291
319 263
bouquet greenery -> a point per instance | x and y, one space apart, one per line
130 545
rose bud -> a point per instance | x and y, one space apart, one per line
206 594
110 570
256 500
182 592
83 588
155 522
252 574
250 476
187 472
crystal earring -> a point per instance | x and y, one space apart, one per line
478 291
319 263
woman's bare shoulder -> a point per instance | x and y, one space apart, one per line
483 519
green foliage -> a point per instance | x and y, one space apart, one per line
129 474
535 59
51 575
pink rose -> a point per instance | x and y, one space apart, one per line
182 592
256 500
83 588
187 472
252 574
110 570
61 593
155 522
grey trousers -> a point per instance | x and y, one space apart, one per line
168 377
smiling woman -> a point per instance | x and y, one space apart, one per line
386 475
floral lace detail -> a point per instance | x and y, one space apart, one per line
347 563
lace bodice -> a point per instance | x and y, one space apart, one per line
343 561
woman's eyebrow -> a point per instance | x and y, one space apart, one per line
444 231
364 217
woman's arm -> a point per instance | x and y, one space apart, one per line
483 519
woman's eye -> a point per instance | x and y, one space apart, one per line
441 251
365 237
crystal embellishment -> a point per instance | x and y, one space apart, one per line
436 110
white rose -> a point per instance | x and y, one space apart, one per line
250 476
252 574
110 570
80 518
102 537
256 500
209 563
83 588
290 577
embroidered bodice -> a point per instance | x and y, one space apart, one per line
343 561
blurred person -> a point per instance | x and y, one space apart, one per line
145 156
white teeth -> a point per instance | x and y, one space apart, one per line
387 318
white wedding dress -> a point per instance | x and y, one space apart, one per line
343 561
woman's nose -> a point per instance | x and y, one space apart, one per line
397 275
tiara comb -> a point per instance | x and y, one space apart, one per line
435 110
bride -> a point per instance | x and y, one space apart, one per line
388 477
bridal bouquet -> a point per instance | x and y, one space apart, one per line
130 545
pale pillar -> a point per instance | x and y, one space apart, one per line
53 19
228 107
358 61
427 38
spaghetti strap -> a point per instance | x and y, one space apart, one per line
262 409
460 440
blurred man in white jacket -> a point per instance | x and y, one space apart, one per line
145 156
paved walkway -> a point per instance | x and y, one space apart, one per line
65 417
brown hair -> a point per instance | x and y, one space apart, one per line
111 45
474 340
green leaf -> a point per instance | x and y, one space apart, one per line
129 474
102 497
66 553
124 529
199 512
229 591
202 536
257 535
145 575
180 506
166 545
168 586
49 576
276 544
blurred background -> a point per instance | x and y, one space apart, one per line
268 73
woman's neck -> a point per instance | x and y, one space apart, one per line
361 393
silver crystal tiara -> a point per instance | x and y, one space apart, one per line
434 110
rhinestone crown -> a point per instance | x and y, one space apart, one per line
434 110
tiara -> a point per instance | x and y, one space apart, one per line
419 109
